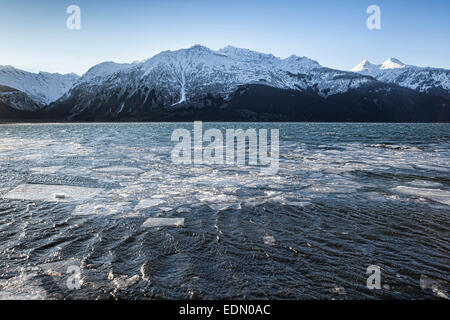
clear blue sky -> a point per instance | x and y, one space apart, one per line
34 35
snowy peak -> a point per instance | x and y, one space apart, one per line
245 54
392 63
299 64
365 65
104 70
43 87
413 77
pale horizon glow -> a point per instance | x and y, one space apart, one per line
35 37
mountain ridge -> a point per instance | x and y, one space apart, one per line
196 78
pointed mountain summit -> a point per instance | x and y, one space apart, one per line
392 63
365 65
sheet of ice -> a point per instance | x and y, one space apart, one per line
423 183
224 206
46 192
184 210
46 170
102 208
123 282
163 222
120 170
148 203
437 195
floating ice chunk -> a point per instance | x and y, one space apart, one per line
148 203
163 222
184 210
269 240
424 183
220 206
104 209
46 170
272 193
49 193
437 195
210 197
90 209
224 206
123 282
120 170
166 209
254 202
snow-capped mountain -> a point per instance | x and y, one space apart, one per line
234 84
43 87
423 79
171 78
17 99
366 67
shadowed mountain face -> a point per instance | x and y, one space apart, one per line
17 99
43 87
235 84
372 103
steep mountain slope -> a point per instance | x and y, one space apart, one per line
196 75
432 80
43 87
17 99
203 84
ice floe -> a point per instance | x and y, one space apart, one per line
148 203
163 222
123 282
437 195
104 209
46 192
46 170
120 170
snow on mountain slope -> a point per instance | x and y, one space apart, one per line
17 99
423 79
172 78
366 66
42 87
392 63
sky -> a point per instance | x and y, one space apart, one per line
34 35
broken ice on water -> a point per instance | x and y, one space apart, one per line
46 192
163 222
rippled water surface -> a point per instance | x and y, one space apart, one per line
346 196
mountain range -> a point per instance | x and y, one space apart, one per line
230 84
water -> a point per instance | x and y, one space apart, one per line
346 196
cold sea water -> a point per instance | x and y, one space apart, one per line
104 204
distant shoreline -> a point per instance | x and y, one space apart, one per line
208 121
